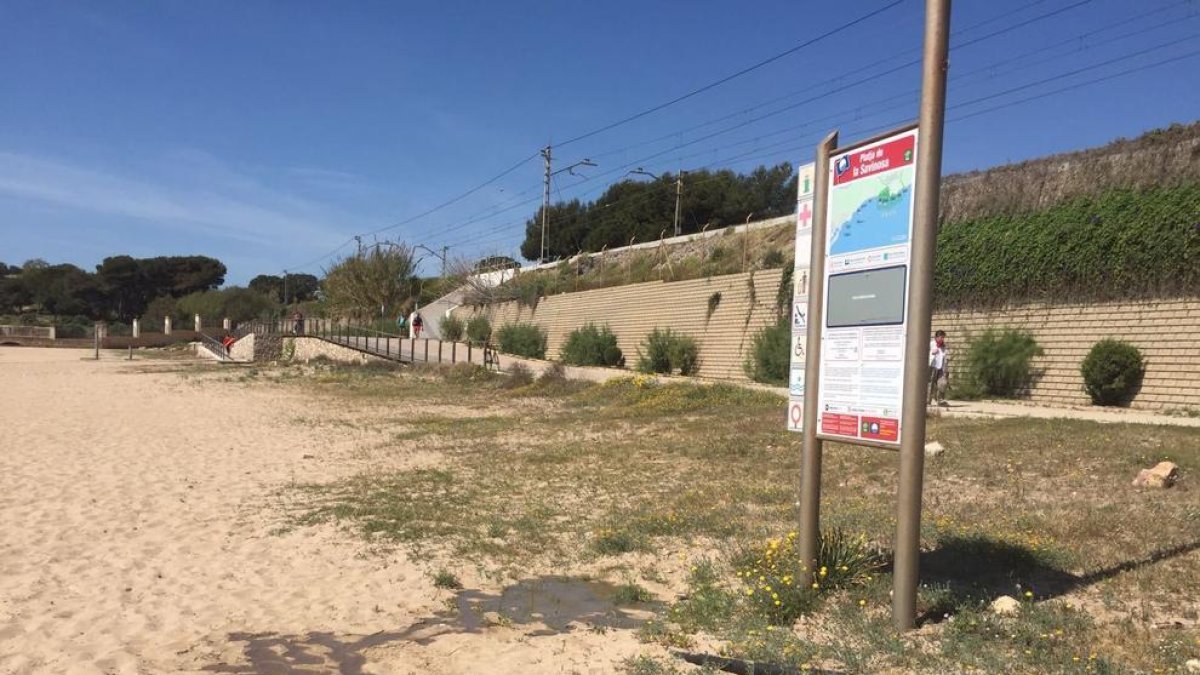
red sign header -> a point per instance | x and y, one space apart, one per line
875 159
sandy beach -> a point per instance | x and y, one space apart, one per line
137 537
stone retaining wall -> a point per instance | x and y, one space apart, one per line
746 304
1166 331
308 348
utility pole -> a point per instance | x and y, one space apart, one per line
932 119
546 191
678 195
358 239
545 201
445 251
285 288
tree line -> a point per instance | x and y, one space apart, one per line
123 288
378 284
641 210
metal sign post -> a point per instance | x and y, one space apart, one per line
907 546
809 295
862 310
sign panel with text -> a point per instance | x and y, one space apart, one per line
805 183
869 221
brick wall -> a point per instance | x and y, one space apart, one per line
633 311
1166 331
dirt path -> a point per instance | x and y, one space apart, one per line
135 539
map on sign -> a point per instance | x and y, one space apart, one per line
874 212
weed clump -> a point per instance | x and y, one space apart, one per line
519 375
446 579
774 577
631 594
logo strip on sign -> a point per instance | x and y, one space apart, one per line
806 183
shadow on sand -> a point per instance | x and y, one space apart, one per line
540 606
981 569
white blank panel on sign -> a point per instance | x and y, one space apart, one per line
867 298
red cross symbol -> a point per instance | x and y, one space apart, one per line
805 215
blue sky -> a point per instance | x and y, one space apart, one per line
267 134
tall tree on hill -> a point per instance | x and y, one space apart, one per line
64 290
299 287
643 210
124 285
378 283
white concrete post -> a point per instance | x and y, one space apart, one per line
166 325
196 320
53 332
137 328
226 324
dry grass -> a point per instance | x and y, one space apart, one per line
635 482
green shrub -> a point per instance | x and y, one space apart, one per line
998 363
772 259
685 355
667 352
446 579
771 354
452 328
1112 372
592 346
522 339
479 329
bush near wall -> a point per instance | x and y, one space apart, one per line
451 328
522 339
664 351
999 362
479 329
592 346
771 353
1112 372
1120 244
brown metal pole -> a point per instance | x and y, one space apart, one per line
916 351
810 454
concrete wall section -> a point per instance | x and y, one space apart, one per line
306 349
243 349
747 303
1166 331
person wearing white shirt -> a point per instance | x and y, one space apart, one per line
938 373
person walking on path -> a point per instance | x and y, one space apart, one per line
298 322
418 323
939 379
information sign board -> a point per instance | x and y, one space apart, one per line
869 222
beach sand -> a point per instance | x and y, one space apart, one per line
139 534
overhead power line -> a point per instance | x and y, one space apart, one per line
839 80
792 143
733 76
